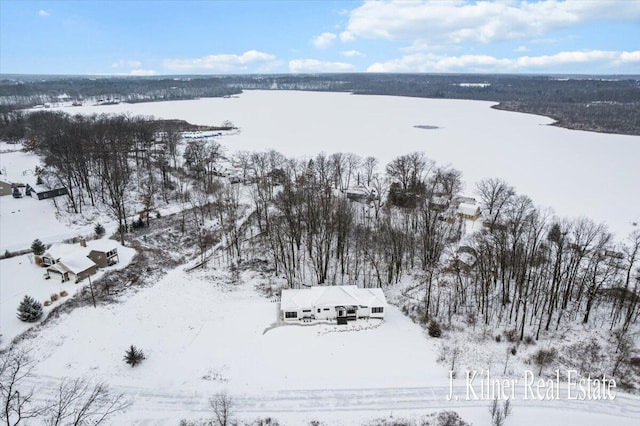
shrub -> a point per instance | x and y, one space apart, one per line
64 293
434 329
7 254
450 418
544 357
99 230
511 335
38 247
133 356
138 224
29 310
54 297
514 350
528 339
47 303
498 338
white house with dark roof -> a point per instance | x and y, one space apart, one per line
340 303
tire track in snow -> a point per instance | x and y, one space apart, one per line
196 402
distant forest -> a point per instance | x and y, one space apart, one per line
609 104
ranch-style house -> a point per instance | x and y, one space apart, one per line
339 303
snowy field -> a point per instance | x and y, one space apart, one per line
20 276
202 334
22 220
574 172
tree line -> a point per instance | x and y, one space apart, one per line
596 103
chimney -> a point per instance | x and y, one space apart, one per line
83 242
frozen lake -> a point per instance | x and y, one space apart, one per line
576 173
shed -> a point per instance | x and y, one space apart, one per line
468 211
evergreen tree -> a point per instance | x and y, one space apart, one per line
30 310
99 230
38 247
133 356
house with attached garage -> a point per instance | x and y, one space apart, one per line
332 303
77 261
68 261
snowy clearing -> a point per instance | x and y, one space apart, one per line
20 276
27 218
202 334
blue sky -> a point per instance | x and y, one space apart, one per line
235 37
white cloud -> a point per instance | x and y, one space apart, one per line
324 40
314 65
351 53
456 22
521 49
221 63
141 72
123 63
630 56
43 12
560 62
346 36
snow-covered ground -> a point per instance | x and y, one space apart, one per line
22 220
576 173
20 276
202 334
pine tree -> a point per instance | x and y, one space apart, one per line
30 310
38 247
99 230
133 356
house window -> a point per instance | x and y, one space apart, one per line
377 310
111 253
306 311
318 310
47 261
326 309
291 315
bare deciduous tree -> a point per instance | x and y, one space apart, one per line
16 398
223 408
77 403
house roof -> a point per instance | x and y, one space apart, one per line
63 251
103 245
72 257
77 264
468 209
331 296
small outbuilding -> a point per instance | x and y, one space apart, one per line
340 303
468 211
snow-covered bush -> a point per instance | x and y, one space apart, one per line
54 297
133 356
29 310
